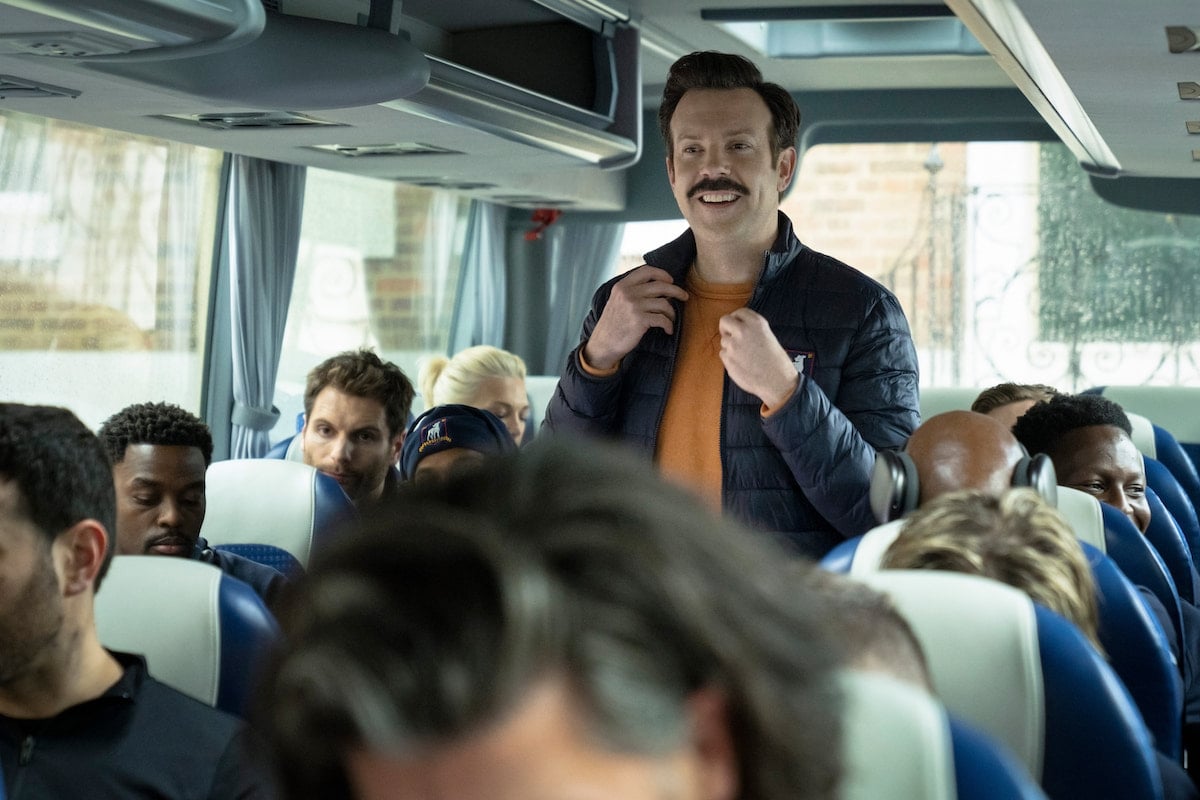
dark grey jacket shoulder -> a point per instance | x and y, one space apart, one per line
804 471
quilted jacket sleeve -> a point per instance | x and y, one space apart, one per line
583 403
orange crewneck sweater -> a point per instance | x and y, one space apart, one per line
689 447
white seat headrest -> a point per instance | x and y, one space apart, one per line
874 543
1143 434
1082 512
261 501
980 639
896 741
139 610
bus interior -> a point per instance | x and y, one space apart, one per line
202 199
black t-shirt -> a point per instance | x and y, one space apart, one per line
140 739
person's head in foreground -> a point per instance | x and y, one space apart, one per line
559 624
482 376
1088 437
1015 538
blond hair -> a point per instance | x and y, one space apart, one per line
1016 538
456 380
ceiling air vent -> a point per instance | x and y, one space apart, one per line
393 149
449 183
252 119
531 201
14 88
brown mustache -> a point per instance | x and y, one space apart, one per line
717 185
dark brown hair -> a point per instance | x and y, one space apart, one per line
712 70
363 374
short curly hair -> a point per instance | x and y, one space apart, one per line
155 423
1040 428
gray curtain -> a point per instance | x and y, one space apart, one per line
582 256
266 200
480 302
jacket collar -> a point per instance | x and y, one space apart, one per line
677 256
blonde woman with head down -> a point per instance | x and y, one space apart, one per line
1016 538
483 377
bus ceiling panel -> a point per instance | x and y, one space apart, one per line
1102 74
295 63
129 30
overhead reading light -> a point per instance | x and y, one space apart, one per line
848 31
136 30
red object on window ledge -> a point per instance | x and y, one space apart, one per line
544 217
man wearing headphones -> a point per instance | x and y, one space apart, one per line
952 451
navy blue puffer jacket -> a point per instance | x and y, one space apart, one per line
804 471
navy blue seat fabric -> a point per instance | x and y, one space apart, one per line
281 503
1166 537
1137 647
1142 564
1029 678
983 771
1172 494
1138 651
274 557
201 631
1083 699
898 741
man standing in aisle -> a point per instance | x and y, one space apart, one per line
754 370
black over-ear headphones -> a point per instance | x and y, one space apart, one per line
895 488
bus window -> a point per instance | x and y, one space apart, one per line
105 257
378 267
1007 264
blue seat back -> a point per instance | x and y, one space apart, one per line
1029 678
201 631
1182 507
898 741
1142 564
1167 539
274 557
1138 648
284 504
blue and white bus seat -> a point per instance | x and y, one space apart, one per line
1181 505
1168 540
284 504
899 742
201 631
1028 678
1136 644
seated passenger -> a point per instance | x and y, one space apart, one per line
1088 437
1015 538
159 454
77 720
449 439
485 377
867 628
355 409
964 450
560 624
1008 401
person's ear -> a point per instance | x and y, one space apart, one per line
397 443
712 744
79 552
786 169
